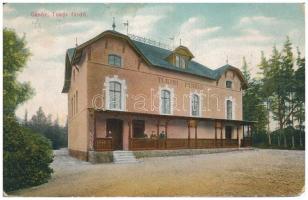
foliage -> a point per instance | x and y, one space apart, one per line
284 87
292 135
26 155
15 56
281 92
43 125
253 106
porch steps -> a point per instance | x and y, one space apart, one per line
124 157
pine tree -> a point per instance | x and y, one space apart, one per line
245 70
26 118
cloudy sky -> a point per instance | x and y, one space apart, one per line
212 32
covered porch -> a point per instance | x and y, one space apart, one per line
116 130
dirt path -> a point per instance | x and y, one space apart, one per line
246 173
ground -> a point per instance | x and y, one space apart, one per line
244 173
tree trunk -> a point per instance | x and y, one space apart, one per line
293 145
300 139
268 124
278 140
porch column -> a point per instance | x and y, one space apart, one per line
243 134
215 124
129 132
221 142
238 136
188 126
157 127
94 130
196 133
166 132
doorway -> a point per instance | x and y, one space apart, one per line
228 133
115 129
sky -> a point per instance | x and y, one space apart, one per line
215 34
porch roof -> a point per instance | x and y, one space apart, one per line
166 117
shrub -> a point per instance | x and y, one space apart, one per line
26 157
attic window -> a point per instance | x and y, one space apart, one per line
180 61
114 60
229 84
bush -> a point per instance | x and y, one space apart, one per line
26 157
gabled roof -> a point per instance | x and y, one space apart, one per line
154 56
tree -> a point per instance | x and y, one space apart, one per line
253 106
266 90
52 130
245 70
299 90
26 155
26 118
15 56
280 84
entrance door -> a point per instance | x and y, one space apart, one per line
115 127
228 134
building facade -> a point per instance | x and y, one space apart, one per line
125 94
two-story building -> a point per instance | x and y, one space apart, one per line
124 94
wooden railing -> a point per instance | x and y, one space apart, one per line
103 144
175 143
144 144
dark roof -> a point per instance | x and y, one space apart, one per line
157 57
153 55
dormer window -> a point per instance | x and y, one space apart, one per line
180 61
229 84
114 60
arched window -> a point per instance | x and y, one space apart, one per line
229 109
115 93
195 105
114 60
165 102
229 84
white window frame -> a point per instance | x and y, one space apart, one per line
171 90
233 107
200 103
177 60
115 78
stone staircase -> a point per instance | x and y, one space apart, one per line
124 157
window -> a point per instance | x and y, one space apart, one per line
114 60
229 109
177 60
165 102
195 105
228 84
138 128
115 95
180 61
